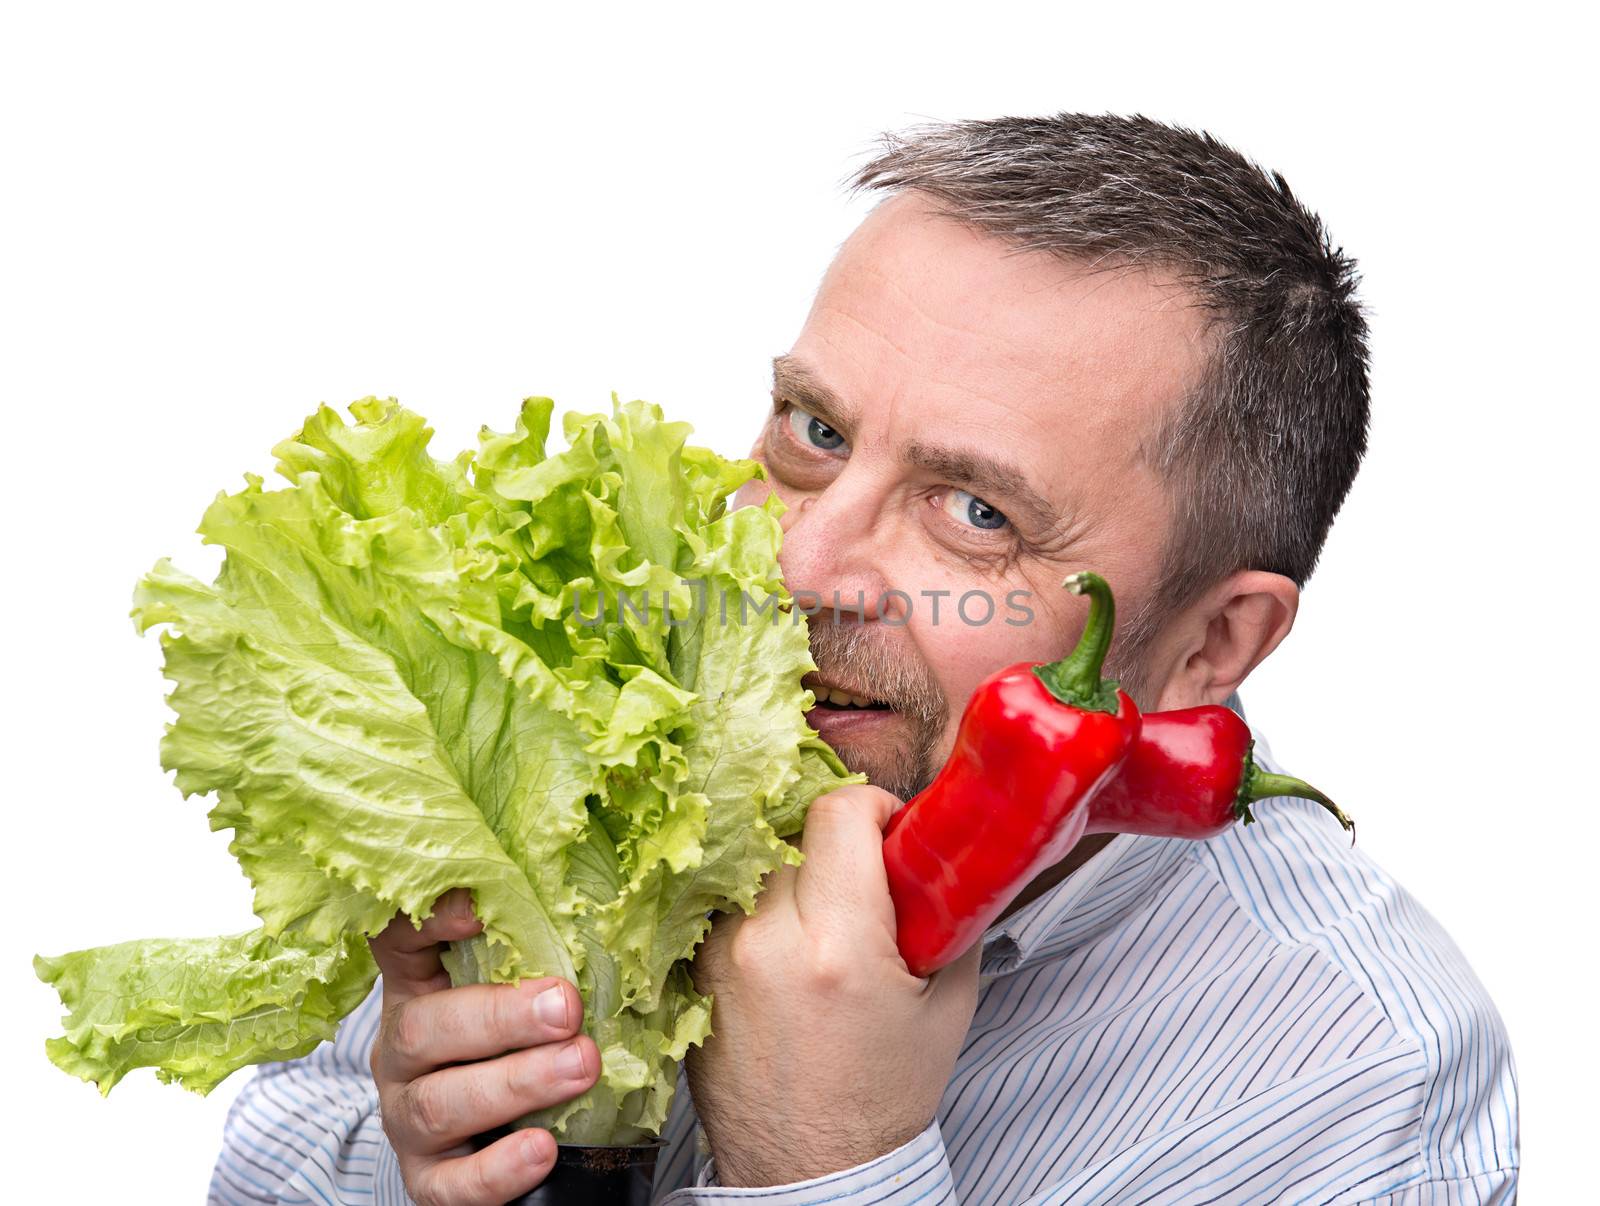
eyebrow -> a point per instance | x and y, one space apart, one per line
794 381
992 480
995 481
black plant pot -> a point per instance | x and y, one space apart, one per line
593 1176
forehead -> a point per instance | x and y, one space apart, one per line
921 319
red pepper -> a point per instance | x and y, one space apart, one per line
1191 774
1036 742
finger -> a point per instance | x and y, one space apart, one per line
774 894
435 1112
506 1169
843 876
474 1021
708 964
776 891
774 901
408 956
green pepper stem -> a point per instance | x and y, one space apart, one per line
1075 679
1261 785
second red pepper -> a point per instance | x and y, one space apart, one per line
1191 774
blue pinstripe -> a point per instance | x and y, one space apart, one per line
1264 1017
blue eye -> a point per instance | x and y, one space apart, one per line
965 508
809 429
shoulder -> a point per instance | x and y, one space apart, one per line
1295 877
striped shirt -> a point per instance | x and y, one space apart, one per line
1263 1017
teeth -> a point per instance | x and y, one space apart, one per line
841 699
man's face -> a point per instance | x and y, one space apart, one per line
957 418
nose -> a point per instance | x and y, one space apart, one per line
786 520
829 551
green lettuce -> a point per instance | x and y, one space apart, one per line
568 681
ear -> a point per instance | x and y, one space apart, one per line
1225 634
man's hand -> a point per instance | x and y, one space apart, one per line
521 1037
826 1052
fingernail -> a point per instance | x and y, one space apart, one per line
541 1148
569 1062
551 1007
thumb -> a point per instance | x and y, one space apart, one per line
843 878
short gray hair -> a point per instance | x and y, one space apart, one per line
1261 457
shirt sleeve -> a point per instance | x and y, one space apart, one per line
309 1130
917 1171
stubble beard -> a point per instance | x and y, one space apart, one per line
899 764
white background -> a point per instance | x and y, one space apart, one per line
215 218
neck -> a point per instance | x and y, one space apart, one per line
1086 849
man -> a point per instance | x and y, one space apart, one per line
1059 344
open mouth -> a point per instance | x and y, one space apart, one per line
838 699
841 702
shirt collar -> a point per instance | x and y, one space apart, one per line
1097 896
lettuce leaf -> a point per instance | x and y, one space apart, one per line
569 681
154 1003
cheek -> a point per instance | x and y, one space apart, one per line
754 492
961 652
751 494
1137 537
